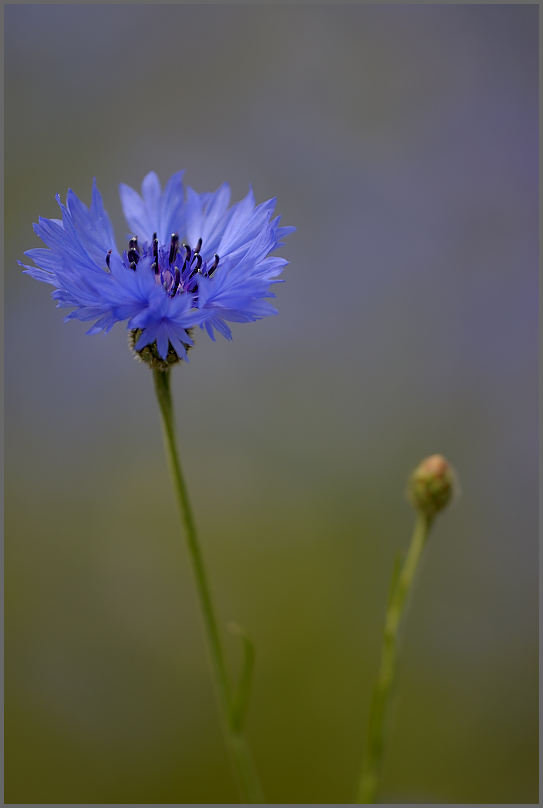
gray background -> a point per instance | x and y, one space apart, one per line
401 141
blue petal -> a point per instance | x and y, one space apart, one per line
171 209
150 191
238 216
162 342
101 219
214 220
135 212
147 337
195 210
39 274
93 227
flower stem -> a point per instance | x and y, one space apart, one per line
401 586
239 753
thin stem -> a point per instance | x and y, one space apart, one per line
241 761
367 792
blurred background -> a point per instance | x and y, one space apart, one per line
401 141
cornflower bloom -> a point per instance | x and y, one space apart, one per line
190 261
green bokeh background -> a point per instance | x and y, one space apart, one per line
402 142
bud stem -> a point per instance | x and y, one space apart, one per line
239 753
367 791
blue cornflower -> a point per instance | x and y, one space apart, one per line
191 261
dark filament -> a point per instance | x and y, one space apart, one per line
212 268
133 252
155 266
198 246
176 282
108 257
197 265
173 247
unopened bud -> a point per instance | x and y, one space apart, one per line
432 485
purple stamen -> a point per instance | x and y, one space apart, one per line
214 266
173 248
167 279
177 281
197 265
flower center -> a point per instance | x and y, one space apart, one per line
176 268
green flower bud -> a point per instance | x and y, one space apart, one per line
432 485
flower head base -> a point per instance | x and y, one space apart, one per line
432 485
191 261
149 354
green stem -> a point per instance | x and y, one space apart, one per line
241 761
367 792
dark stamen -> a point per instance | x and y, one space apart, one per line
133 244
155 253
173 247
133 255
189 252
196 266
214 267
133 265
198 246
154 267
108 257
176 281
